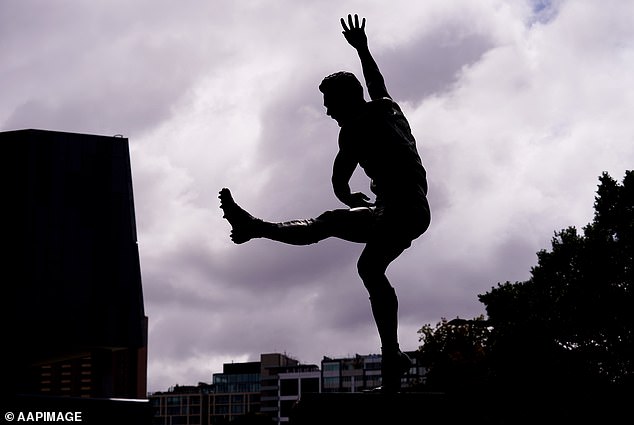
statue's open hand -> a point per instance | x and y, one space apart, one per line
355 33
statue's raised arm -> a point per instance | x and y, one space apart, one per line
356 37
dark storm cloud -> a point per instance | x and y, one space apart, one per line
296 142
431 62
267 266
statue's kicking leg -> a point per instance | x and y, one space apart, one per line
351 225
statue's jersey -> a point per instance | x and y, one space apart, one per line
381 141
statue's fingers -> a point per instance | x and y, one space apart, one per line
356 20
343 24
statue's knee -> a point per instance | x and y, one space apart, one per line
328 216
368 271
361 268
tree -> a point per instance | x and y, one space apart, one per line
559 346
454 353
572 322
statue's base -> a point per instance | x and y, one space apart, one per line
370 408
474 408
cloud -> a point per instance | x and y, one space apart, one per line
111 67
517 108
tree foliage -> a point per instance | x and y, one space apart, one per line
562 339
454 352
572 321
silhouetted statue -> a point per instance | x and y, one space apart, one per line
376 136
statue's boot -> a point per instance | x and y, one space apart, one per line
394 364
245 227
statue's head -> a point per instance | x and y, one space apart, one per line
343 94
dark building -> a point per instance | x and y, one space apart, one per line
236 392
75 315
363 372
182 404
248 393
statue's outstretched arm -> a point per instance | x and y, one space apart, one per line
356 37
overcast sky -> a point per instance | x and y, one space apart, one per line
517 107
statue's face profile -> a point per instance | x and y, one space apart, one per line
337 108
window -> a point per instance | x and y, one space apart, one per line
285 408
331 367
220 379
310 385
331 382
373 366
373 381
179 420
289 387
222 399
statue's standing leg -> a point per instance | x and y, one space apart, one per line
372 265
